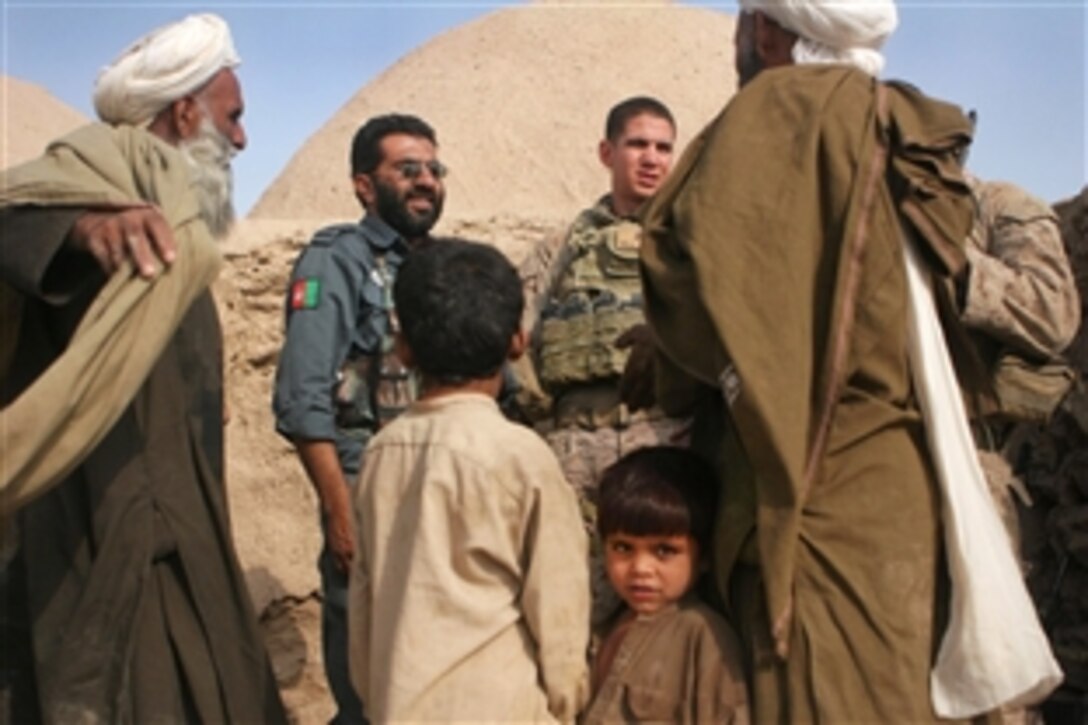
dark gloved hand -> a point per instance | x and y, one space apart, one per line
637 381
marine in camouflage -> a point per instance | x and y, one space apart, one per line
582 292
1021 296
1020 302
1019 290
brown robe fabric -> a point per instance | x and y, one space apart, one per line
775 282
67 410
126 597
680 665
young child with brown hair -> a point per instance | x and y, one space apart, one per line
664 656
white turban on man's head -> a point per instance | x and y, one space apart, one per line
166 64
834 31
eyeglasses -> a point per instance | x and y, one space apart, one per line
411 169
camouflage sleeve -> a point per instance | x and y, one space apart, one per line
320 304
1020 287
539 274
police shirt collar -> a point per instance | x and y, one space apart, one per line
381 235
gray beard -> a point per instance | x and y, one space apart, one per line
209 154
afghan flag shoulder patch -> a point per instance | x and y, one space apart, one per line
305 293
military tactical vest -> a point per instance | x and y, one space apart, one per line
597 298
373 385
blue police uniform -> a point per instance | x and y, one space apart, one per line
338 380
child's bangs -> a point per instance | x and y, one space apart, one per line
650 513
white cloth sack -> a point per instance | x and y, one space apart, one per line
994 651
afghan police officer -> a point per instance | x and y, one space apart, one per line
338 380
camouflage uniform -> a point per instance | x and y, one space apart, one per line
1054 464
1020 295
1019 290
583 290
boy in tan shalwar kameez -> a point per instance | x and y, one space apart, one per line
469 590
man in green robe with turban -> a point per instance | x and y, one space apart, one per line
125 601
776 290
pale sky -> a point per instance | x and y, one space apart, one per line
1022 65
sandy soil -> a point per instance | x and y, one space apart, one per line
31 118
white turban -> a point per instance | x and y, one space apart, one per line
166 64
834 31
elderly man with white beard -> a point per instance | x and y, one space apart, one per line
124 600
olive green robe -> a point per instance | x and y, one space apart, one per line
775 284
126 602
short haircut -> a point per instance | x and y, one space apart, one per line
624 111
459 303
366 150
658 491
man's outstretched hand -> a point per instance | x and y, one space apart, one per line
112 236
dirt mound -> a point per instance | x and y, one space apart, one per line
31 119
518 100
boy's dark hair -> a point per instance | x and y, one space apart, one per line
624 111
459 303
366 151
658 491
